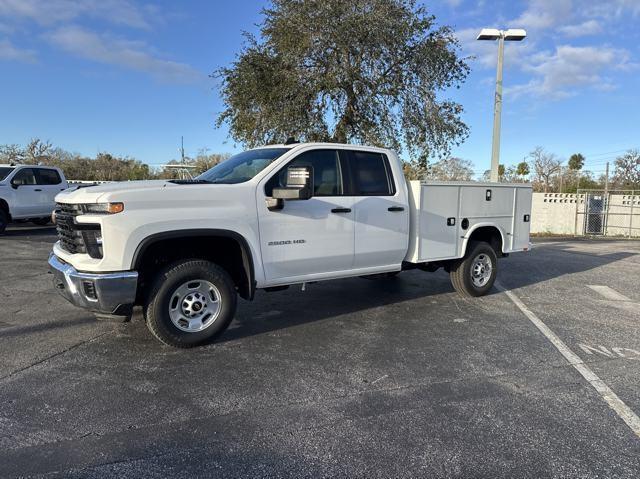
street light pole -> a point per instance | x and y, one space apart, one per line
501 36
497 112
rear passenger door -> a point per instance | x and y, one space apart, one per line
50 184
381 212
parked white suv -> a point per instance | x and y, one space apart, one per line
269 218
28 193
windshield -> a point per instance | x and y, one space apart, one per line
242 167
4 171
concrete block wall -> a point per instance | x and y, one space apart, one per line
619 218
555 213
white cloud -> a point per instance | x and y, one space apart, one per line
124 53
542 14
49 12
559 74
58 20
454 3
611 9
589 27
567 69
8 51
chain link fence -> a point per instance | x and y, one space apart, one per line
608 213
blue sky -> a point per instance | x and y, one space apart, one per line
132 77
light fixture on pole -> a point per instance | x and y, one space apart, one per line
510 35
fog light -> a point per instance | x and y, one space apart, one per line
89 290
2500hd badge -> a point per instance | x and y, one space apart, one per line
280 243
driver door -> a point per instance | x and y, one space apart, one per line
27 193
311 238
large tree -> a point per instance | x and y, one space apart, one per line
11 154
545 165
365 71
627 172
451 169
522 169
576 162
501 172
37 151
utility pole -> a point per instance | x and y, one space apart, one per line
497 113
501 36
182 148
605 203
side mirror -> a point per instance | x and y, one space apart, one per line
299 184
15 185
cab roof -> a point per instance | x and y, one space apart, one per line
291 146
8 165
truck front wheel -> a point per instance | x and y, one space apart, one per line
190 303
475 274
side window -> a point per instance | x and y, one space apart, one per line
48 177
371 174
26 176
327 176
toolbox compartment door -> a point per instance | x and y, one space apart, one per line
438 235
522 219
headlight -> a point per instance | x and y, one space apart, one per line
102 208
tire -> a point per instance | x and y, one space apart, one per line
475 274
4 221
41 221
190 303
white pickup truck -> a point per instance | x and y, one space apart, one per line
269 218
28 193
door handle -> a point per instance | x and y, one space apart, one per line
395 208
341 210
37 189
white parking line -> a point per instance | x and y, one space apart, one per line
608 292
615 403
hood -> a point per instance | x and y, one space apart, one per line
94 194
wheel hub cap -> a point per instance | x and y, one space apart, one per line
194 306
481 270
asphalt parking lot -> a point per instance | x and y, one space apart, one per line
352 378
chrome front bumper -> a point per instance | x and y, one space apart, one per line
101 293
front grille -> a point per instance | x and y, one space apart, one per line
68 208
73 235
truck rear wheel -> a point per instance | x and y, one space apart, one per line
191 303
475 274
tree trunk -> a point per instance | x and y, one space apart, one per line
347 121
